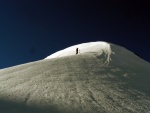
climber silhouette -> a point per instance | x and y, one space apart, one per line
77 51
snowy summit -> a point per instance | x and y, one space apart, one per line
98 47
81 83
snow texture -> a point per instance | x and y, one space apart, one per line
90 47
78 84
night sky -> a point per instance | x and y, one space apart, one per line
30 30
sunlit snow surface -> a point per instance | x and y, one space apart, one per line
98 47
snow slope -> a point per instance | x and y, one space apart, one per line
78 84
98 47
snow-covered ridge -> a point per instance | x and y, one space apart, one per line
99 47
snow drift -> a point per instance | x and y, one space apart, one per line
97 47
78 83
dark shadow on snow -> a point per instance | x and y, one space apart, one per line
16 107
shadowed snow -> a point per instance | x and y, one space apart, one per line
78 83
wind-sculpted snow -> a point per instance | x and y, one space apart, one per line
91 47
78 84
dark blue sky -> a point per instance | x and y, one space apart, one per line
30 30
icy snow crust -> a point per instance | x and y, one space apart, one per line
98 47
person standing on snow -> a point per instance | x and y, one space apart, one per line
77 51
